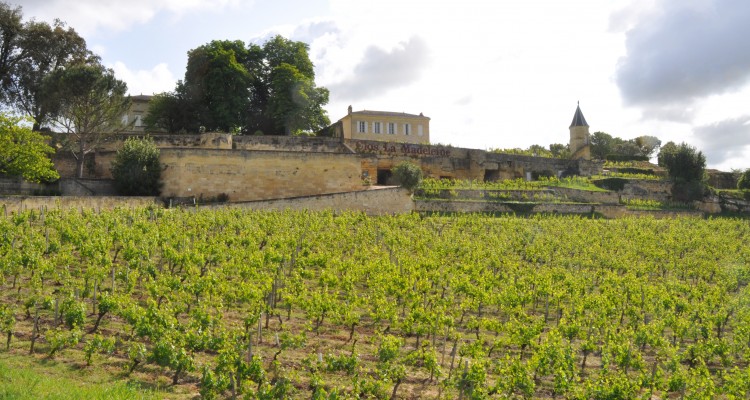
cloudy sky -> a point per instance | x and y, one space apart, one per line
489 73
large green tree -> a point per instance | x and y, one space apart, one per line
24 152
684 162
217 83
295 103
11 34
29 52
91 102
49 47
648 145
603 144
173 112
231 87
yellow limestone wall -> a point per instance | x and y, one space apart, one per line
255 175
579 143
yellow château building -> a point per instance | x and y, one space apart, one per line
383 126
134 118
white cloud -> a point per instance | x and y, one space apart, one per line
158 79
686 50
379 71
89 16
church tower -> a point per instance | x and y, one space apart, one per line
579 137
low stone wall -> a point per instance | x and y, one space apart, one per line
63 187
87 187
13 204
647 190
587 196
726 203
374 201
18 186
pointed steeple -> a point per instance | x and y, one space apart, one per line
578 119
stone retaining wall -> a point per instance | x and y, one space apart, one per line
374 201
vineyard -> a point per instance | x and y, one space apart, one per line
268 305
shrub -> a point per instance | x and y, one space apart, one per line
136 168
684 162
744 181
614 184
409 175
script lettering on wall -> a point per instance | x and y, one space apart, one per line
403 149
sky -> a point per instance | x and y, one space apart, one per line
489 74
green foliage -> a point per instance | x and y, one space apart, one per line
39 50
20 380
389 348
24 152
91 103
744 182
689 191
73 312
684 162
626 157
343 362
98 344
172 112
492 307
7 323
601 145
431 187
297 104
136 168
604 146
231 87
409 175
647 145
559 150
59 339
640 204
217 83
167 353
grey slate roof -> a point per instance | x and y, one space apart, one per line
578 119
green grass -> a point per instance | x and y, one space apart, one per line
24 378
432 186
654 205
734 193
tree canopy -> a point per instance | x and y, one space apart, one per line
29 53
603 144
232 87
684 162
408 174
91 103
24 152
744 182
